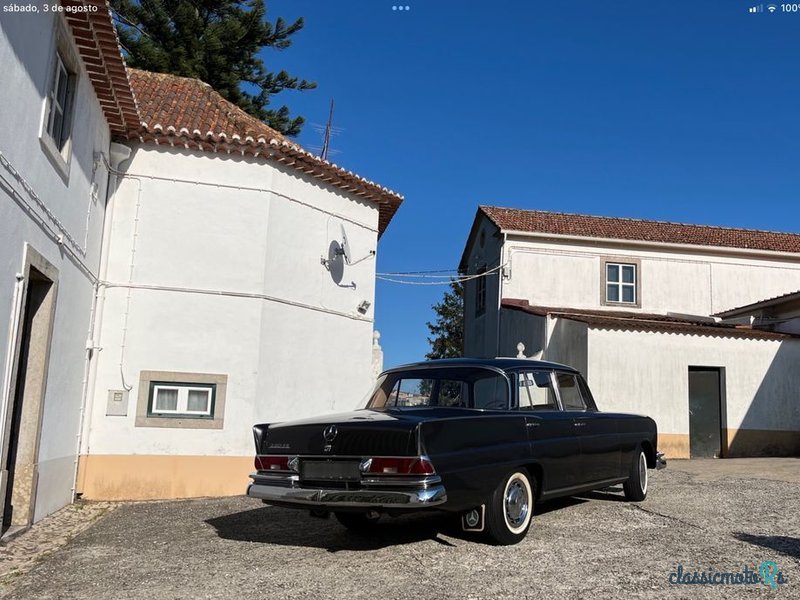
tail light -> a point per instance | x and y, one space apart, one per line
276 463
383 465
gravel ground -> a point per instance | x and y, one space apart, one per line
594 546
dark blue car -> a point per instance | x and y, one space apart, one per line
482 438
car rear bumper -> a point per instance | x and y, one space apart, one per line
362 498
421 493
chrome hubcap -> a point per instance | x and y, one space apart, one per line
643 472
516 503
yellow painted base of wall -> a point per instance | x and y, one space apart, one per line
762 442
155 477
741 443
673 445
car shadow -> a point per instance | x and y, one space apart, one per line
286 527
790 546
609 494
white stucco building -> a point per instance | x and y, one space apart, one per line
631 303
172 271
224 302
64 95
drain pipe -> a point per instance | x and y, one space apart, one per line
118 154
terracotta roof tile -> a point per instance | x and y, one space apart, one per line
97 42
617 319
186 112
536 221
766 303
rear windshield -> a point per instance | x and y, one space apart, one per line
447 387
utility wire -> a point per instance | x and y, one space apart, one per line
452 279
419 272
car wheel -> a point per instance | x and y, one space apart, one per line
636 486
509 511
358 522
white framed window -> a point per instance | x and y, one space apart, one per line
170 399
60 104
621 281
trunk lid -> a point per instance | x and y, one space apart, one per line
358 433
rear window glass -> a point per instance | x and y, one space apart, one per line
447 387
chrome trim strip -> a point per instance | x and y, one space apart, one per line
401 481
284 478
322 497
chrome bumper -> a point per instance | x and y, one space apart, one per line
363 498
661 462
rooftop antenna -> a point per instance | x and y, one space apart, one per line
326 141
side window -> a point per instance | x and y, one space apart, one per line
535 391
571 395
489 393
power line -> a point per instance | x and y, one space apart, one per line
452 279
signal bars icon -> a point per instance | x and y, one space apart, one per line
760 8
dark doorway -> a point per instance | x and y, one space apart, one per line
25 414
706 412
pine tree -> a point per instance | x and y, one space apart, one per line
447 332
218 42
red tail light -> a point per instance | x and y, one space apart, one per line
272 463
381 465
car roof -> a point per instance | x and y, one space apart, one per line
504 364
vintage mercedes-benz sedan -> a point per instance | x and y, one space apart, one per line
485 439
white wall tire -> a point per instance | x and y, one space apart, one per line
635 487
510 509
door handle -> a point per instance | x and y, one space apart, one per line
580 423
531 424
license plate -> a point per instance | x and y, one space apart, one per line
330 470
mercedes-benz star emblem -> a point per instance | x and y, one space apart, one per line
330 433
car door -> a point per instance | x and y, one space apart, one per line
551 433
597 434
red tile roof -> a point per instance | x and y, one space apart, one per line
617 319
537 221
185 103
98 45
761 304
186 112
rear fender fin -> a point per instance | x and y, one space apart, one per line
259 433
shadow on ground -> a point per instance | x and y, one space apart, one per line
286 527
789 546
270 525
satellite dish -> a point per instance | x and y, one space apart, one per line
335 262
347 253
345 246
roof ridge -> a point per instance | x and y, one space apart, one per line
149 72
640 220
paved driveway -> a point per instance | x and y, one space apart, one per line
595 546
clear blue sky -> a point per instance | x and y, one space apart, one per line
683 111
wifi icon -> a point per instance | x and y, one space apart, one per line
772 7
